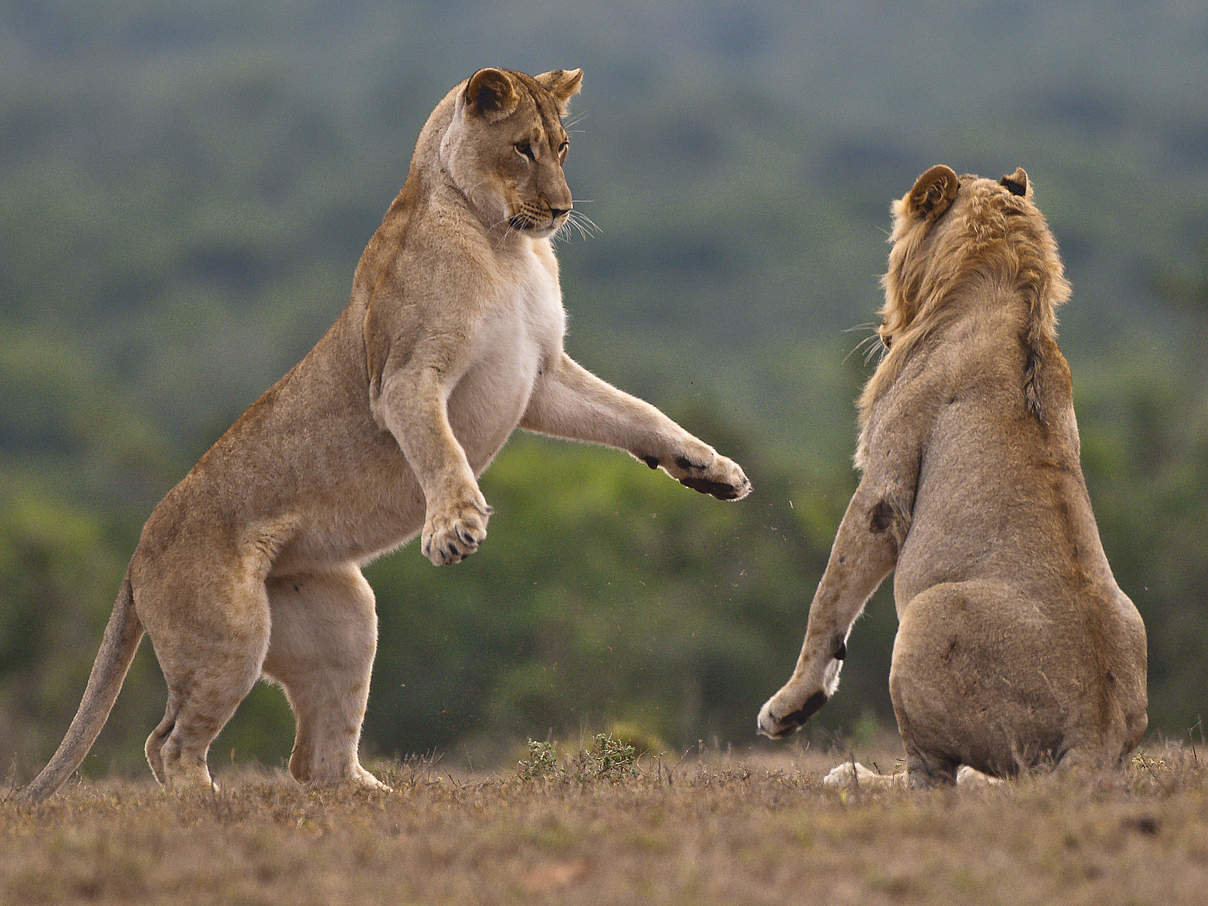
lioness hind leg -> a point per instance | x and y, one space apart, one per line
321 650
155 742
210 657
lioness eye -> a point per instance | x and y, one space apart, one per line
524 149
563 149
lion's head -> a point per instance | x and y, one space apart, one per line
505 147
951 234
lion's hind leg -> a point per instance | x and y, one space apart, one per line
976 680
324 639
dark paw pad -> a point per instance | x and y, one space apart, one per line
718 489
812 706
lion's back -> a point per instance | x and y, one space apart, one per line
1001 494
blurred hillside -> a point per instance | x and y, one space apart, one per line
184 192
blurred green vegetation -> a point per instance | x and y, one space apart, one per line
184 192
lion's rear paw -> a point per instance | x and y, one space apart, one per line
853 775
971 777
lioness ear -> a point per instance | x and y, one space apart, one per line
932 193
491 94
1017 183
563 84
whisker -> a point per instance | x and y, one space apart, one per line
588 227
875 350
857 348
869 345
575 220
864 325
506 233
586 223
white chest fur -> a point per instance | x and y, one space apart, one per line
521 332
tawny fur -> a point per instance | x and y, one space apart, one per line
452 337
1015 646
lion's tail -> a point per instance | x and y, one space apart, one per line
122 635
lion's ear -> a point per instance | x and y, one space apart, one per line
563 84
491 94
933 192
1017 183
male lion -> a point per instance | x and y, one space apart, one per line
1015 646
453 337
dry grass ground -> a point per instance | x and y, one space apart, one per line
710 829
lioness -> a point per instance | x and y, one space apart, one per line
1014 645
452 337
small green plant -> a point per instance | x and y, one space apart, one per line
608 759
542 763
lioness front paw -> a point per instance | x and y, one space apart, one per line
706 471
452 532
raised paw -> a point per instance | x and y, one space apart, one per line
453 532
708 472
788 710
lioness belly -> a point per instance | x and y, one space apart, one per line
378 505
486 405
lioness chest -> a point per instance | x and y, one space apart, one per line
515 330
519 334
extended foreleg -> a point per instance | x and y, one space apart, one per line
573 403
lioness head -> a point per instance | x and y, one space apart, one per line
950 232
505 147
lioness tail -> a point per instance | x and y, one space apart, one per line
122 635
